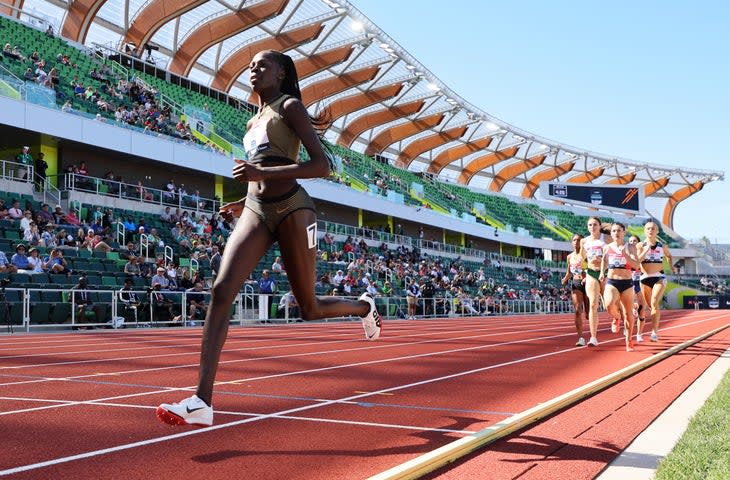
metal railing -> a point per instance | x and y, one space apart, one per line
128 191
107 308
18 172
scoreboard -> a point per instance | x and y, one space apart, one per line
621 198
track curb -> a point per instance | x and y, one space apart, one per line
451 452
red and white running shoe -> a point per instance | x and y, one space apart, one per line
191 411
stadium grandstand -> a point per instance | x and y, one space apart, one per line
138 107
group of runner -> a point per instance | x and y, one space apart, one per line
627 276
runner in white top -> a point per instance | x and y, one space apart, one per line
592 250
653 282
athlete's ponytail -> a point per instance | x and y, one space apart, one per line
290 86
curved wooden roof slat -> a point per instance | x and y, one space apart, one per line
352 103
422 145
219 29
154 15
511 171
376 118
679 196
336 84
453 154
313 64
79 16
10 12
534 182
485 161
396 133
623 179
238 62
587 177
653 187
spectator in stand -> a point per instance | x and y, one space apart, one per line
55 262
58 215
26 220
46 215
15 213
97 227
277 267
142 193
145 269
197 306
37 265
5 265
160 278
70 218
266 283
130 226
20 260
131 267
32 236
85 311
4 215
166 216
170 189
48 237
63 239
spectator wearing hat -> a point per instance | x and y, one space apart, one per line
35 261
160 278
58 215
5 265
48 238
20 260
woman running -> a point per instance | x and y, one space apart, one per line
618 259
276 209
575 274
653 282
639 303
592 251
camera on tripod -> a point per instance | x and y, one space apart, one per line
4 282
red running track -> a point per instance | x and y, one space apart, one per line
305 401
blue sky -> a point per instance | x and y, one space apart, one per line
647 81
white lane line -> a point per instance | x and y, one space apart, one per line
60 340
345 336
296 372
151 441
275 357
322 369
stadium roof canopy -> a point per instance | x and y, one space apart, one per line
382 99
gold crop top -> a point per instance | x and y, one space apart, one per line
270 136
